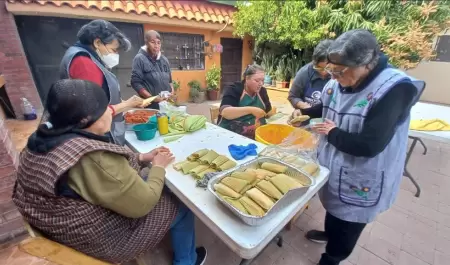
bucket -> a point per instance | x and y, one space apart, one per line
272 133
145 132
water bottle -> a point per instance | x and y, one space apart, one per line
29 113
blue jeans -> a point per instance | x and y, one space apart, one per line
182 234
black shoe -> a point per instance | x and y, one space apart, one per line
201 255
317 236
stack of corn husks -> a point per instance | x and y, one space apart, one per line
182 124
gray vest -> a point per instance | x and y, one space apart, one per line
359 188
118 124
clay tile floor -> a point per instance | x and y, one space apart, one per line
416 231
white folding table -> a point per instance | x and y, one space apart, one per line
247 241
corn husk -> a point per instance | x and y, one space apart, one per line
312 169
252 207
300 118
235 184
227 165
246 188
264 173
220 160
188 166
236 204
269 189
177 166
196 170
209 157
260 198
199 153
226 191
202 174
250 177
285 183
276 168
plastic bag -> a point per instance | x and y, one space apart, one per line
171 110
298 149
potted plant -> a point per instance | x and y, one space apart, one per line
268 62
294 64
281 73
213 82
176 88
198 95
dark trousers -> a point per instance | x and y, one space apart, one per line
342 238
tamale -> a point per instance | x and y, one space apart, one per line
197 169
264 173
285 183
260 198
188 166
191 158
312 169
220 160
235 203
203 173
259 176
276 168
252 207
268 188
177 166
225 191
246 188
234 183
199 153
209 157
227 165
300 118
248 176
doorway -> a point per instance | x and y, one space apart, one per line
231 62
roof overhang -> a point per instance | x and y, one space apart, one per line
35 9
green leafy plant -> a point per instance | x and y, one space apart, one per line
282 70
269 61
195 88
176 85
213 76
406 30
294 63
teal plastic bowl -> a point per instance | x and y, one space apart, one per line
145 132
315 121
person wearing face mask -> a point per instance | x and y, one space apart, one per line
245 104
92 58
310 79
364 139
151 72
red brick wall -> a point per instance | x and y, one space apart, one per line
11 223
14 64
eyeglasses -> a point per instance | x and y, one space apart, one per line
319 69
335 73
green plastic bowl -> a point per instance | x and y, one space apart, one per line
315 121
145 132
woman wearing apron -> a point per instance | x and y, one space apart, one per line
310 80
245 104
91 58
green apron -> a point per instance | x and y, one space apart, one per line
245 125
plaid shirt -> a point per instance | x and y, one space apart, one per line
88 228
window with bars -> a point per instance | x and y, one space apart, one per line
184 51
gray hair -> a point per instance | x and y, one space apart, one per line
105 31
151 33
354 48
320 53
252 69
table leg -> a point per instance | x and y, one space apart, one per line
279 241
408 156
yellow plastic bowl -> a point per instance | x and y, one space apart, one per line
272 133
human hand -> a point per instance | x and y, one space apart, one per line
303 105
148 157
257 112
324 127
134 102
163 159
294 114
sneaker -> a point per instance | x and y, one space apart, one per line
317 236
201 255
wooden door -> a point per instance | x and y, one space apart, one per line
231 61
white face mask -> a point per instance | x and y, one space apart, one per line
110 60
